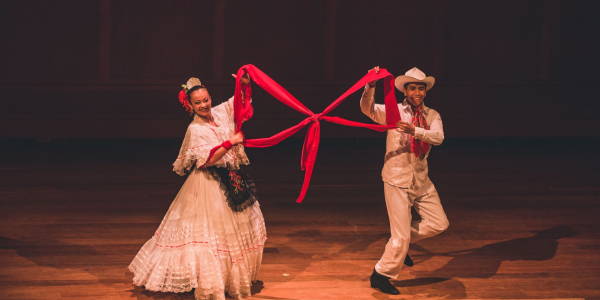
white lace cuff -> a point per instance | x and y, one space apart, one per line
195 155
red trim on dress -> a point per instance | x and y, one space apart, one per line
220 250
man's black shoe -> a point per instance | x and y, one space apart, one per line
408 261
382 283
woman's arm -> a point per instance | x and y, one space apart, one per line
222 149
245 78
228 107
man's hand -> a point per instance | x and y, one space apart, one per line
237 138
372 83
246 78
406 127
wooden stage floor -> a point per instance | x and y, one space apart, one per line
524 219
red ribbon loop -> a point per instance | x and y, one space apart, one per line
243 112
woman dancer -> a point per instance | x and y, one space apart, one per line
211 238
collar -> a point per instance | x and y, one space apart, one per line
198 119
406 107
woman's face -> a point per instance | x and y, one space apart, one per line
201 102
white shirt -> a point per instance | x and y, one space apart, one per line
401 167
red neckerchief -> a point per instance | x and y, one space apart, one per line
417 146
243 112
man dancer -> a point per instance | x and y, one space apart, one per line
406 183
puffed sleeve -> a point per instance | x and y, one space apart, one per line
225 109
195 149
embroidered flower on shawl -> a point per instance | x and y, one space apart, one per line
236 181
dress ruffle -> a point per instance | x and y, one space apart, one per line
202 244
193 155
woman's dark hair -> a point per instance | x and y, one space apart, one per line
195 89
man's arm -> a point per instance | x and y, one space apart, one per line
434 135
367 104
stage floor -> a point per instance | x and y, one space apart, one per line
524 219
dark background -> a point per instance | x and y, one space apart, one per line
113 69
90 125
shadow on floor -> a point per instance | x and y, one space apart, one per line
484 262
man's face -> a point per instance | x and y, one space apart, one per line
415 93
201 102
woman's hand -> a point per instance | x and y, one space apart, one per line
237 138
372 83
246 78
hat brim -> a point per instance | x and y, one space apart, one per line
403 79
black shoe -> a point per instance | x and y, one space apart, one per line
408 261
382 283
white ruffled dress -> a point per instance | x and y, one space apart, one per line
202 243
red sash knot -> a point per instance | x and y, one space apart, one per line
243 112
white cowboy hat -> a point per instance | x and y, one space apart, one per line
414 75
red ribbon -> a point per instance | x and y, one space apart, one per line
419 147
243 112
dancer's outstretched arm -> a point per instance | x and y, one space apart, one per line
218 152
245 78
367 103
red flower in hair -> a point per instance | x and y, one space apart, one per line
185 101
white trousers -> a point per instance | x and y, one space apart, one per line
399 201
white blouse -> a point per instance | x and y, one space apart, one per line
201 137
